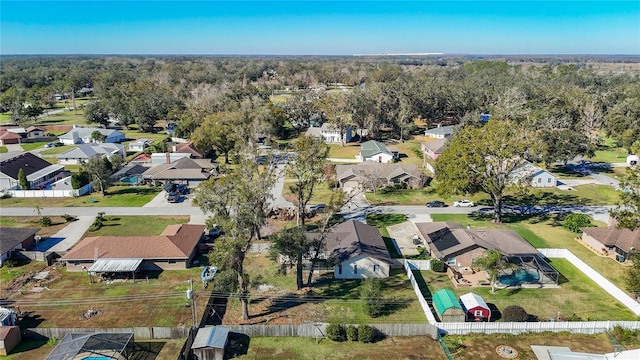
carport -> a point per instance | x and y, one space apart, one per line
115 266
118 346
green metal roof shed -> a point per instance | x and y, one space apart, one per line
447 306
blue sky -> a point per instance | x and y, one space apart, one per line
319 27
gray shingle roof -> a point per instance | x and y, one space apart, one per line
354 238
11 237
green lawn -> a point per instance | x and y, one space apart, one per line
547 232
577 295
349 151
3 149
611 155
33 146
56 150
132 196
590 194
136 225
321 193
410 152
70 117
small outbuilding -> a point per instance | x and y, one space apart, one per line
210 343
475 307
447 306
9 339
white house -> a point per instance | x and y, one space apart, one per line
360 250
81 153
140 145
440 132
633 160
534 176
375 151
331 134
79 135
39 172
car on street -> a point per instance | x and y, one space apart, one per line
48 145
435 203
318 208
57 144
463 203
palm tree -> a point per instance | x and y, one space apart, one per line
492 262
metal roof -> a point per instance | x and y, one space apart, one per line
471 300
444 299
115 265
98 345
211 336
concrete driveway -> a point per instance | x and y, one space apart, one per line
403 235
71 233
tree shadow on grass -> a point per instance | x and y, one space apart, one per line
495 312
237 345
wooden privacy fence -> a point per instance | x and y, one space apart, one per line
318 329
144 333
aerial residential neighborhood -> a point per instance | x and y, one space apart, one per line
338 201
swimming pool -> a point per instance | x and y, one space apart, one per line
130 179
519 277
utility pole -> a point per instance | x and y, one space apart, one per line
191 296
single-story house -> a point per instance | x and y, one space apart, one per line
174 249
475 307
210 343
167 158
440 132
14 239
141 159
633 160
359 175
39 172
185 170
81 153
612 241
9 338
80 135
188 148
34 132
447 306
458 246
9 138
139 145
359 250
376 151
94 346
435 148
533 176
331 134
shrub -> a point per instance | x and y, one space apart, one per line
69 218
574 222
366 333
97 223
626 336
437 265
352 333
514 313
336 332
45 221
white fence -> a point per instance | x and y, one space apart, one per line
49 193
578 327
418 264
423 302
605 284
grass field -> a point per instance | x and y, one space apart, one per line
321 193
548 233
611 155
33 146
136 225
130 196
349 151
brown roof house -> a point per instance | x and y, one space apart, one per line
359 250
618 243
7 137
14 239
458 246
185 170
369 174
174 249
9 338
188 148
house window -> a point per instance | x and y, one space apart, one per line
477 313
340 269
376 267
172 261
355 268
549 180
539 180
451 261
76 263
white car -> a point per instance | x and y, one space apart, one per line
463 203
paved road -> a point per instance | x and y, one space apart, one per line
276 192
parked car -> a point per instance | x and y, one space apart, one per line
57 144
48 145
318 208
173 197
435 203
464 203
